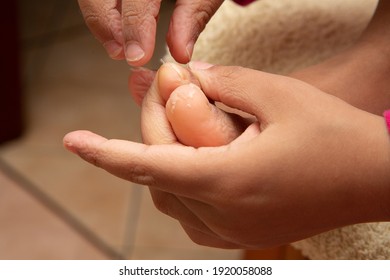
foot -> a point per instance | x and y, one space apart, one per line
195 121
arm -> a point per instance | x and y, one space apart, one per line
359 74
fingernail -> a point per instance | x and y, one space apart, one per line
134 52
189 50
113 48
199 65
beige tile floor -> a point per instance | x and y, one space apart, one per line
53 205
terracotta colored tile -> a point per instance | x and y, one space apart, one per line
64 100
161 237
30 231
97 198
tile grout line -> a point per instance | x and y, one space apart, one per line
133 214
59 211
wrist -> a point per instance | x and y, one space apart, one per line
380 192
368 186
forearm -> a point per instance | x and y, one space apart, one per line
360 74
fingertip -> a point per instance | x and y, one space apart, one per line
71 141
187 22
139 25
178 43
68 142
135 54
180 51
80 141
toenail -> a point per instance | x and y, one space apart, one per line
177 70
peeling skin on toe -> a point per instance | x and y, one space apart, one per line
186 97
192 92
172 105
195 121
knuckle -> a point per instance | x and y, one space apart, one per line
202 12
137 170
92 19
101 20
227 78
202 16
233 84
139 174
93 157
232 73
140 13
131 16
91 12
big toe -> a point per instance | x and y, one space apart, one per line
196 122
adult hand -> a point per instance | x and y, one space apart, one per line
127 28
310 164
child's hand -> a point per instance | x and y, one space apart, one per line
310 164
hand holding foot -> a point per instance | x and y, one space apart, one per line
236 195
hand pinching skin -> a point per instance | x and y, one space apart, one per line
127 28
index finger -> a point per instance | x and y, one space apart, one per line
175 169
139 19
104 21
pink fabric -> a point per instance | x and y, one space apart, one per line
244 2
386 114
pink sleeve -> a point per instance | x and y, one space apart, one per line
244 2
386 114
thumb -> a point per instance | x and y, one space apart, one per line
139 23
188 20
266 96
104 21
